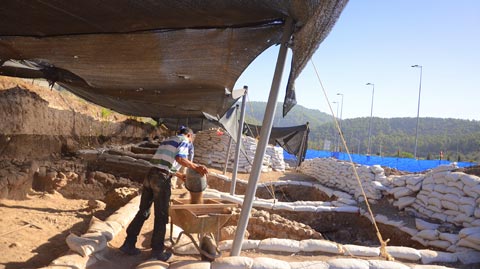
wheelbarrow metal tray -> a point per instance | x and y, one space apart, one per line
208 217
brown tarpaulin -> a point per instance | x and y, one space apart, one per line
171 59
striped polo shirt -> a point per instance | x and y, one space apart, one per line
170 148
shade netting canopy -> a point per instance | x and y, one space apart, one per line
160 59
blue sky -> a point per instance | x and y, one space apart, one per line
378 41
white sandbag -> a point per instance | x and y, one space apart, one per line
422 266
269 263
474 238
404 202
439 244
470 180
467 209
428 234
380 264
428 187
439 216
468 256
468 231
236 262
348 264
449 205
98 226
452 238
152 264
362 251
246 244
431 256
423 199
420 240
405 253
280 244
87 243
435 202
190 265
309 265
423 225
312 245
401 192
408 230
465 243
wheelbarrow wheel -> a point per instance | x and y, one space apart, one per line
207 244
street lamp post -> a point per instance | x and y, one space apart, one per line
418 110
336 138
371 116
341 119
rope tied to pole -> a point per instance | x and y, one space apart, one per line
383 243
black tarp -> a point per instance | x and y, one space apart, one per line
292 139
171 59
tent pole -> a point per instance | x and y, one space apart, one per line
228 155
262 143
239 141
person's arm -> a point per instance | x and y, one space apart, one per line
201 169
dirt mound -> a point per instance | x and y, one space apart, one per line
472 170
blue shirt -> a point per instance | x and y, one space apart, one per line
169 149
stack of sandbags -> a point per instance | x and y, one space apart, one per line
451 197
340 174
276 154
211 148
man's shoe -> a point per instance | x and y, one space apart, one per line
129 249
161 256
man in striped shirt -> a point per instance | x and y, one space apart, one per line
168 159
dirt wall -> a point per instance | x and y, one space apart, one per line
32 129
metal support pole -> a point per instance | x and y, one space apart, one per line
228 155
370 122
262 143
418 111
239 142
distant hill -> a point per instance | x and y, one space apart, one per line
299 115
459 140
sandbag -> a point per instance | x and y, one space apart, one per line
190 265
98 226
309 265
280 244
452 238
423 225
465 243
468 256
312 245
431 256
87 243
246 244
236 262
439 244
348 264
380 264
269 263
468 231
152 265
405 253
428 234
361 251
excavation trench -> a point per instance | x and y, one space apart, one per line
340 227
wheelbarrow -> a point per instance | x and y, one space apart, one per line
202 219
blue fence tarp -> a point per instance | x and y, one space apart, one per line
402 164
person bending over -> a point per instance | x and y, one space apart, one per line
169 157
